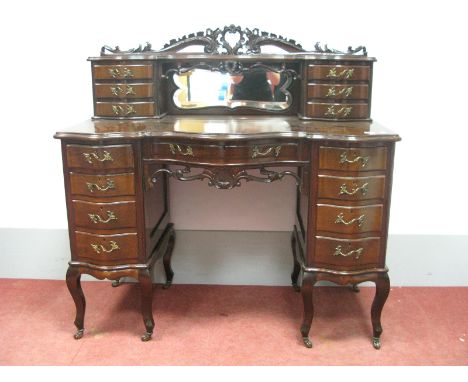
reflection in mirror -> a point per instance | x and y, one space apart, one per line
257 87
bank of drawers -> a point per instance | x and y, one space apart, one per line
338 91
102 188
124 91
350 207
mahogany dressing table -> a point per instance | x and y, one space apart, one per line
155 117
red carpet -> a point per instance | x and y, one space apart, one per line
229 325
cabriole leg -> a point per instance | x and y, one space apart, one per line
308 281
146 288
297 267
382 289
167 260
73 279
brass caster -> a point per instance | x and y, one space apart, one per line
376 343
307 342
146 337
355 288
167 284
116 283
78 334
296 287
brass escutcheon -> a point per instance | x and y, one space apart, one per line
110 184
257 152
89 157
100 248
95 218
176 148
363 189
357 252
344 159
340 220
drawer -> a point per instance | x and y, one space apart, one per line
102 185
100 157
104 215
349 220
338 72
353 159
125 109
332 91
120 90
351 188
342 254
123 72
221 154
106 249
337 110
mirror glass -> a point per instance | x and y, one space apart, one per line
259 88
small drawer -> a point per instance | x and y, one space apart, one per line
123 90
104 215
102 185
332 91
353 159
125 109
351 188
100 157
222 154
337 111
123 72
338 72
349 220
106 249
343 254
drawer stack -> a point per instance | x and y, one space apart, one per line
338 91
124 91
350 208
102 205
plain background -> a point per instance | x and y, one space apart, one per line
420 90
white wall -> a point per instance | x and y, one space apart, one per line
420 90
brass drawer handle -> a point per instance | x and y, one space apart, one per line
344 190
344 159
344 112
89 157
110 185
357 252
95 218
120 91
116 73
340 220
100 248
177 149
345 92
120 110
257 152
344 74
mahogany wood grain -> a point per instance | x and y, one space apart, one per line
337 91
105 215
102 185
124 90
349 219
125 109
100 157
353 159
351 188
338 72
121 72
337 111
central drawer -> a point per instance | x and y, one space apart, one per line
229 153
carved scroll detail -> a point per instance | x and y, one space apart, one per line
224 178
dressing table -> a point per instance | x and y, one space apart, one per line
173 113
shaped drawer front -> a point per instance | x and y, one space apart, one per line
123 72
106 249
351 188
220 154
337 111
120 90
100 157
353 159
339 92
338 72
125 109
102 185
349 220
104 215
344 254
